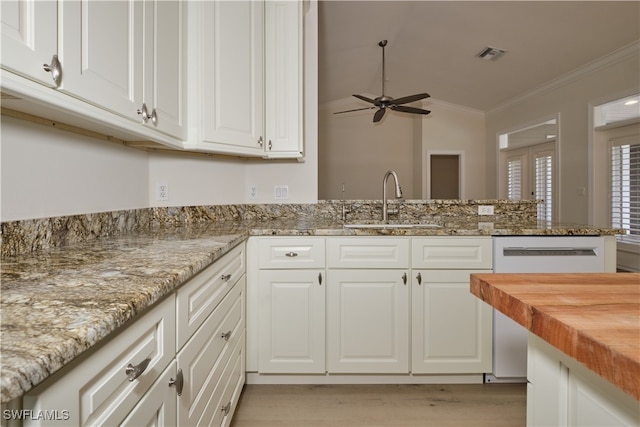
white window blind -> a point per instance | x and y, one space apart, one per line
625 187
514 179
543 182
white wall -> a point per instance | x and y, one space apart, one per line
571 97
49 172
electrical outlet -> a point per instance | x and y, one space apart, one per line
485 210
253 191
162 191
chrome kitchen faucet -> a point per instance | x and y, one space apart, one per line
385 210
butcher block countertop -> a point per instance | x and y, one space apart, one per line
592 317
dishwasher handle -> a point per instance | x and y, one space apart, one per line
546 251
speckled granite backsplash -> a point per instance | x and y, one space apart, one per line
30 236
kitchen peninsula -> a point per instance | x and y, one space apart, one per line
72 284
580 325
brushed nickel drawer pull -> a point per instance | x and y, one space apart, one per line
226 277
291 254
178 383
55 68
134 372
226 335
226 408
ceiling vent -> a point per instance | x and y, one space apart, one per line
490 53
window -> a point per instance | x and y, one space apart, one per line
625 187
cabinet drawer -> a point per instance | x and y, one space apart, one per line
200 295
452 252
204 356
97 391
368 252
287 253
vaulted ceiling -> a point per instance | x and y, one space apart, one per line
432 46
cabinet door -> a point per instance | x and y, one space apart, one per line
29 37
231 74
158 407
367 321
101 52
292 321
165 64
283 78
451 329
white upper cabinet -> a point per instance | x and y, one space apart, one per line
101 50
29 38
284 60
250 62
127 57
126 69
231 74
165 53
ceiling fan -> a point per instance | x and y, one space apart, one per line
383 102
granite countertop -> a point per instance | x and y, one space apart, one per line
592 317
58 303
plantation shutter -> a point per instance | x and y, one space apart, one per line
625 187
544 184
514 179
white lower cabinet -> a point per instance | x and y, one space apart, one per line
158 407
367 321
386 305
164 369
368 305
205 359
451 330
291 305
292 321
105 387
561 392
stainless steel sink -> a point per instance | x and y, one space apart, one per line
380 225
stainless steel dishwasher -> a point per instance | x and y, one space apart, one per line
535 254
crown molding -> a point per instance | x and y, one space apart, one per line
624 53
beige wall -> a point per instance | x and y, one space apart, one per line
571 98
48 172
354 151
357 152
452 129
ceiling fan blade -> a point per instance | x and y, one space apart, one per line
364 98
411 110
378 115
356 109
411 98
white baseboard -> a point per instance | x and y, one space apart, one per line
256 378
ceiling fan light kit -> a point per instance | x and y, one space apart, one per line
383 101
